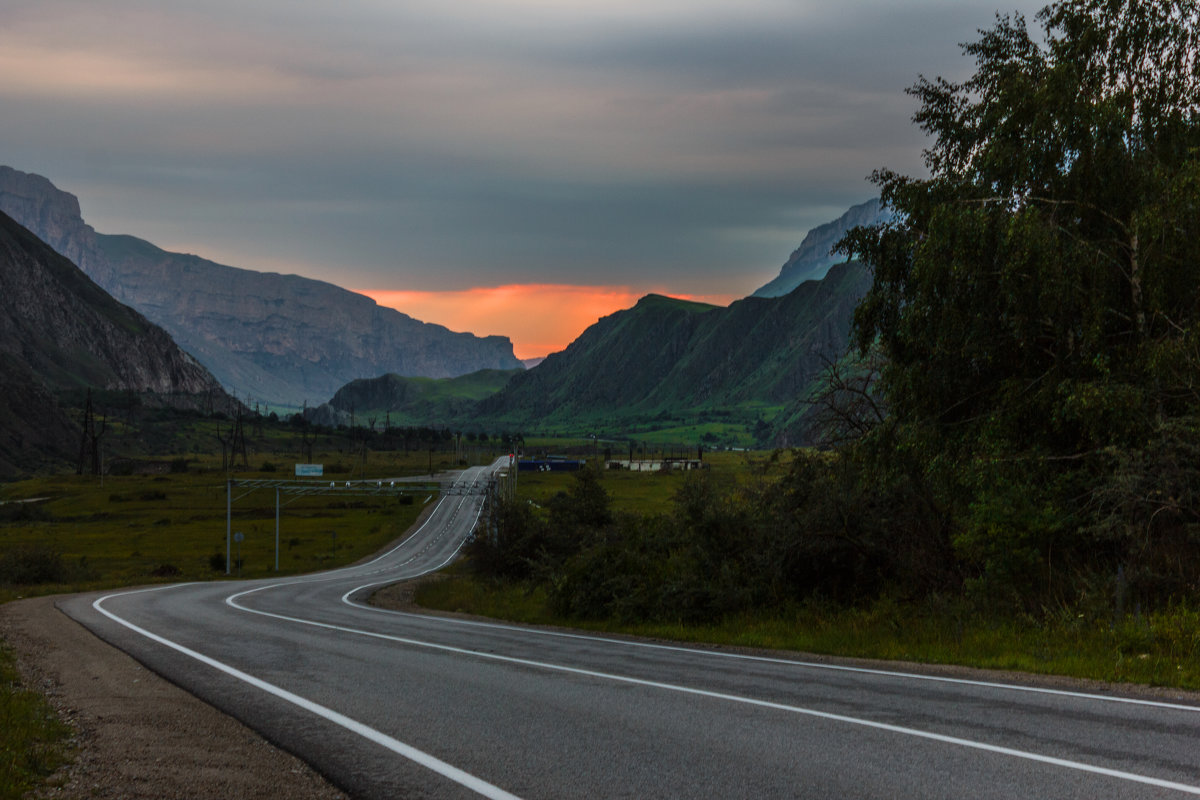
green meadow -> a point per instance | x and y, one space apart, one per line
71 533
81 533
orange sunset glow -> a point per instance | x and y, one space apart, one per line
539 318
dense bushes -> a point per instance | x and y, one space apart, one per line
32 565
821 531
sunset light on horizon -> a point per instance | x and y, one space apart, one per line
540 319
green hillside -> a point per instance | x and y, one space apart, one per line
418 401
688 367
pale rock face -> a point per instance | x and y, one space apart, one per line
53 215
71 334
812 260
271 337
61 333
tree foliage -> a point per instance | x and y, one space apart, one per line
1037 297
1024 420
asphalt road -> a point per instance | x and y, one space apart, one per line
395 705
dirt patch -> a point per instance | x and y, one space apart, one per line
137 735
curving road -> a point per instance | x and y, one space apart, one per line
395 705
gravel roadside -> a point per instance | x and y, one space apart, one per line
137 735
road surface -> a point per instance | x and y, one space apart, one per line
397 705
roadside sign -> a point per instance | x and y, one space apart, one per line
310 470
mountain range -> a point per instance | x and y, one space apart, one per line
670 359
282 339
61 333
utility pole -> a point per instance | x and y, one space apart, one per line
277 529
228 522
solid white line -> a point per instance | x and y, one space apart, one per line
276 585
426 760
455 774
938 737
816 665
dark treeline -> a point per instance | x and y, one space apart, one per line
1019 425
407 437
725 547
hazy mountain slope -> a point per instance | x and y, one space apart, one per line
280 338
668 355
34 429
811 260
71 333
287 337
616 363
59 332
770 349
418 400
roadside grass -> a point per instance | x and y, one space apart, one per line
33 742
1159 650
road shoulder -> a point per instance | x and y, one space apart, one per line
136 734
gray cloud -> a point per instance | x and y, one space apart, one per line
677 144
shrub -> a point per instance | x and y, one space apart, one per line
32 565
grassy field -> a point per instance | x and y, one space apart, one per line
650 492
172 527
82 533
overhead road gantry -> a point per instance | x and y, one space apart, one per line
390 487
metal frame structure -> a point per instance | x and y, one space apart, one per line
297 489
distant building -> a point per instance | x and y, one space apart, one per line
659 465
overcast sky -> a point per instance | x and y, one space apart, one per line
681 146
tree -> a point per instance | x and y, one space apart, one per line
1042 279
1036 298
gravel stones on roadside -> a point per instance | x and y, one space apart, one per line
137 735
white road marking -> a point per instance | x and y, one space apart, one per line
699 651
433 763
455 774
938 737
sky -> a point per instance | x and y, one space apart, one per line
514 167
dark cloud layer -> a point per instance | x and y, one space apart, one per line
414 145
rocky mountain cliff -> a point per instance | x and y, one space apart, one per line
811 260
666 356
59 331
279 338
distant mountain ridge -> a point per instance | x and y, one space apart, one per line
278 338
667 355
812 259
415 401
61 332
